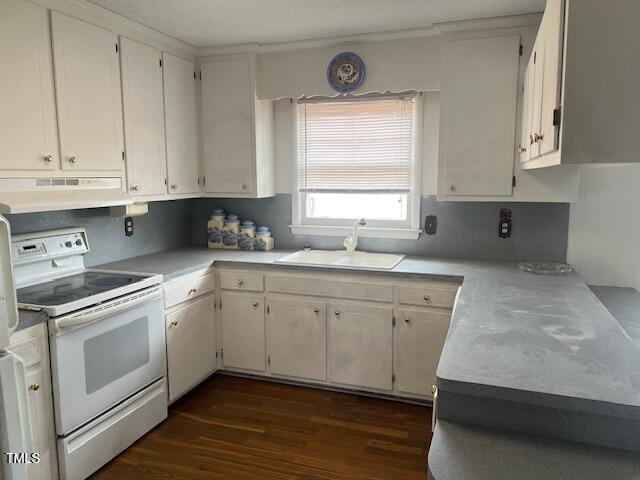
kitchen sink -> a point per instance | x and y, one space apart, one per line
342 259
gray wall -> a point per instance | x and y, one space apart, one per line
166 226
465 229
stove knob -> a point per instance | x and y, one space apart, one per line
79 242
68 244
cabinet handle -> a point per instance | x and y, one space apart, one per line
48 158
174 323
427 298
531 141
407 320
35 387
452 188
135 187
434 389
537 137
73 159
244 186
255 304
240 283
193 291
316 310
174 186
337 312
521 149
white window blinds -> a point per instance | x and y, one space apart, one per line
359 146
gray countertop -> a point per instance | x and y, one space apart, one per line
624 305
461 452
532 338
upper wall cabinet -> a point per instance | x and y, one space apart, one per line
87 75
584 100
180 109
237 131
478 116
28 134
143 118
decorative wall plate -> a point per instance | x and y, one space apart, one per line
346 72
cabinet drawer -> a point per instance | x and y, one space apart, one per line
428 295
181 291
330 287
29 350
250 281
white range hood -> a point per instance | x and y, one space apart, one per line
24 195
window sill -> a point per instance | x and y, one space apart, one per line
363 232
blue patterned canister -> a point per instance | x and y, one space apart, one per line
264 240
230 232
247 235
214 228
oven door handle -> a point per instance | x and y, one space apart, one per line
65 323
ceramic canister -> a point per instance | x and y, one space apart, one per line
247 235
230 232
264 241
214 228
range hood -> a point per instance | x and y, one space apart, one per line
24 195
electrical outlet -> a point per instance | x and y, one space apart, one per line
504 225
128 226
430 224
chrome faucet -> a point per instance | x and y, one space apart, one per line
351 242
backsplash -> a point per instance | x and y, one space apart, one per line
465 229
166 226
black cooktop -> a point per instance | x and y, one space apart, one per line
74 287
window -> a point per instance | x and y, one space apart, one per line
356 159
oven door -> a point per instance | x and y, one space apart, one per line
103 355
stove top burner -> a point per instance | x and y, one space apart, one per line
74 287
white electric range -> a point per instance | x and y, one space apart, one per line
106 342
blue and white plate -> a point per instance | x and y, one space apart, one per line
346 72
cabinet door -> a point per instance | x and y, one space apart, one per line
298 337
421 336
89 103
191 345
243 331
227 126
42 426
180 107
527 101
553 24
360 345
143 118
536 96
480 116
27 106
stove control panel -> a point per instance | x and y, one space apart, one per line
62 243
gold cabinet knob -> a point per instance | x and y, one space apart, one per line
240 283
244 186
193 291
337 313
536 137
316 310
531 141
427 298
255 304
174 323
434 389
407 320
35 387
48 158
521 149
135 187
174 186
452 188
73 160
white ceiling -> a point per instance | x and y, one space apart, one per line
210 23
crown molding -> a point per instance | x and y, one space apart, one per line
102 17
511 21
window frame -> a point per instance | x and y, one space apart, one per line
405 229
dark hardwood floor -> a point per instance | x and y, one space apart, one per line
235 428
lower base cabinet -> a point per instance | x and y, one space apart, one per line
361 345
298 337
191 345
243 331
421 336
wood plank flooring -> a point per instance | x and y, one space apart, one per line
235 428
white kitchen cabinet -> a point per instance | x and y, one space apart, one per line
237 131
191 345
421 335
31 344
89 101
360 345
478 116
28 136
297 337
181 122
243 331
143 118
